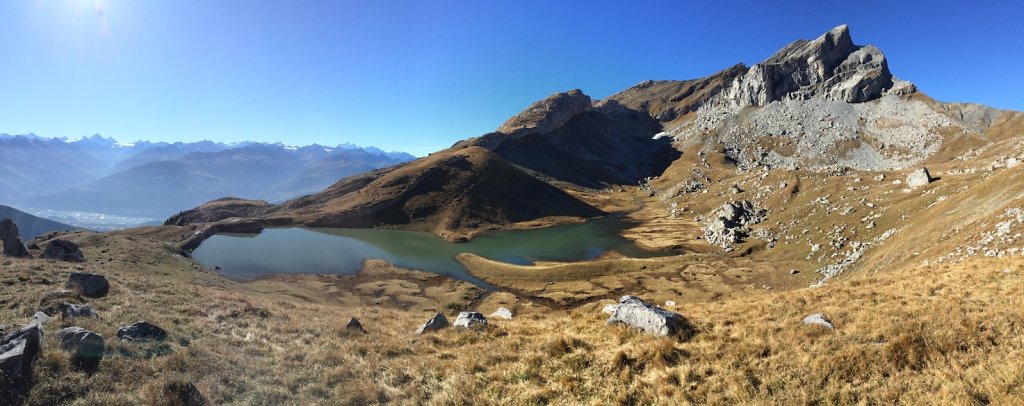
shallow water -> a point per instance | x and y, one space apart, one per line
343 250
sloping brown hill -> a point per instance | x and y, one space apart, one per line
570 138
452 193
670 100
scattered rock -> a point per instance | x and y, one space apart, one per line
610 308
502 313
86 347
470 319
11 238
63 250
71 310
793 271
141 331
51 301
435 323
819 319
89 285
18 350
355 325
640 315
731 223
919 177
670 303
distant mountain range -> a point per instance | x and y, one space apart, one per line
30 226
155 180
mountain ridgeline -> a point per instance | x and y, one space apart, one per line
817 104
155 180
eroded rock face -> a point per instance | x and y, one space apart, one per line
470 319
86 347
640 315
547 114
141 331
435 323
919 177
88 284
18 350
63 250
829 67
11 238
731 223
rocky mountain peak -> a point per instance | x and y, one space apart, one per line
547 114
829 67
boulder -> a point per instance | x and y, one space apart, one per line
71 310
502 313
819 319
470 319
141 331
640 315
355 325
435 323
88 284
610 308
63 250
86 347
919 177
18 350
51 301
731 223
11 239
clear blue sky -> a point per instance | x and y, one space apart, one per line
418 76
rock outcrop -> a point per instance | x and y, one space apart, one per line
141 331
355 325
86 347
435 323
731 223
545 115
18 351
919 177
11 239
88 284
820 320
71 310
830 67
502 313
63 250
640 315
231 225
470 319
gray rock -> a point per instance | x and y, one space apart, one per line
435 323
86 347
355 325
470 319
819 319
731 223
88 284
610 308
502 313
18 350
51 301
71 310
141 331
640 315
546 115
11 239
63 250
919 177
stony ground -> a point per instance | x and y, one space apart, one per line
283 340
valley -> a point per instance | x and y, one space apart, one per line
807 230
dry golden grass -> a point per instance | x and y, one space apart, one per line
941 334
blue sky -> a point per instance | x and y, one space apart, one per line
418 76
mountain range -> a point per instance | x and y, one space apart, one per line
154 180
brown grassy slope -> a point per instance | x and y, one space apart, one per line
452 193
283 342
220 209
